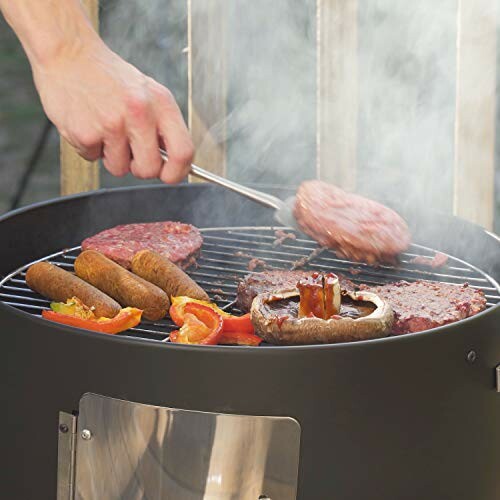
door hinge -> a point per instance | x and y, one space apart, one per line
66 455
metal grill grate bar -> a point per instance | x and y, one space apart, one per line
423 274
24 305
33 299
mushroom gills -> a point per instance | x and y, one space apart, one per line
349 308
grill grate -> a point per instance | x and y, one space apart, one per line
225 256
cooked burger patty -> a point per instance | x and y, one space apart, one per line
355 227
174 240
422 305
270 281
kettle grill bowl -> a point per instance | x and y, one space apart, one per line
407 417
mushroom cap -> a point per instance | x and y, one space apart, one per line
301 331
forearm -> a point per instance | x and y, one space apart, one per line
49 28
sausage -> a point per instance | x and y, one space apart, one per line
157 269
125 287
60 285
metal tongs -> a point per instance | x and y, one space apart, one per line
283 209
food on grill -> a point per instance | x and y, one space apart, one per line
59 285
236 330
279 317
178 306
238 337
241 324
125 287
282 236
201 325
160 271
174 240
254 263
268 281
303 261
439 260
75 313
355 227
422 304
319 296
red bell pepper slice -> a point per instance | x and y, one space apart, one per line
177 308
241 324
125 319
240 338
202 325
230 323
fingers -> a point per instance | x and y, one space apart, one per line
90 153
87 146
175 136
129 140
117 155
143 137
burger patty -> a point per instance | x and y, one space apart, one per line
174 240
269 281
355 227
422 305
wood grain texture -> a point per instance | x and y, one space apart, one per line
337 91
77 174
207 81
474 172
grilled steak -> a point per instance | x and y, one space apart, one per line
422 305
174 240
269 281
355 227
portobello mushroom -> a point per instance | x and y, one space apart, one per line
362 316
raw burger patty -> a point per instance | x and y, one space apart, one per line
269 281
355 227
422 305
174 240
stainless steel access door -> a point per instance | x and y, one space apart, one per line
131 451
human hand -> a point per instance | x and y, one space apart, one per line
108 109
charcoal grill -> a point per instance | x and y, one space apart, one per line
422 407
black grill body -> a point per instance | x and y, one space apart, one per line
407 417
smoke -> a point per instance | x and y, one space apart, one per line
406 88
152 36
272 90
407 65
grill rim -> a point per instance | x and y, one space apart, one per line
492 309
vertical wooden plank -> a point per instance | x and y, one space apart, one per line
207 81
77 174
337 91
475 112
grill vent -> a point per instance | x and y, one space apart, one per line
225 257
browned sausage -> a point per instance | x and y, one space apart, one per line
125 287
166 275
60 285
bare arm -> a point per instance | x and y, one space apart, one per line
102 105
